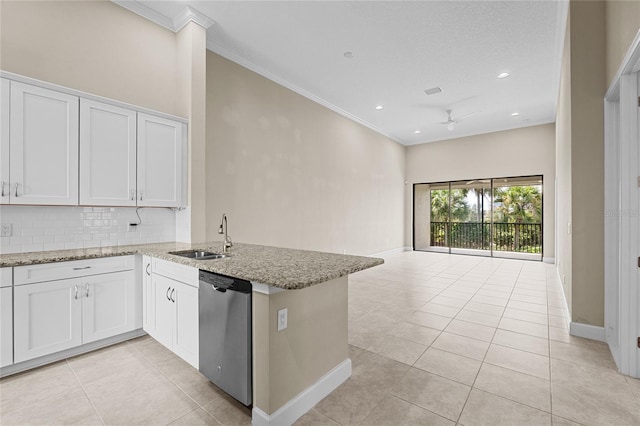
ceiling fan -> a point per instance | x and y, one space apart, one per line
451 123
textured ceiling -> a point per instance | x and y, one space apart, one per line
399 50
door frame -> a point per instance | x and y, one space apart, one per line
622 201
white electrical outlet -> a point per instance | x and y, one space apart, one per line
7 230
282 319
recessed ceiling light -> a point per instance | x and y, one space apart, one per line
417 132
379 107
515 114
348 55
503 75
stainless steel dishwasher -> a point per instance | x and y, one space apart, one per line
225 334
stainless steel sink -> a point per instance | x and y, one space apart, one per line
198 254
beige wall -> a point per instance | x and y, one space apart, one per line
289 172
588 86
563 171
315 341
520 152
622 25
599 36
95 46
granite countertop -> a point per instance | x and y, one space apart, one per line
279 267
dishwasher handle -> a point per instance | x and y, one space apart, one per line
220 289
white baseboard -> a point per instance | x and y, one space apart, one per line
551 260
587 331
68 353
392 251
564 297
305 400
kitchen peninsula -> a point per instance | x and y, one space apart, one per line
294 368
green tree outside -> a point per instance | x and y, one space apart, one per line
517 204
460 209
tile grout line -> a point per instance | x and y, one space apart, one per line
152 364
485 355
84 391
413 365
501 396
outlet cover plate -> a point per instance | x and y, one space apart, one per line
282 319
6 230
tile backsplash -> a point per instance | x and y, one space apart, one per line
41 228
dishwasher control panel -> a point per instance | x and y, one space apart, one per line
223 283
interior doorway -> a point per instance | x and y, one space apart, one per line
499 217
622 210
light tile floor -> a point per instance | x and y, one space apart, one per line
434 339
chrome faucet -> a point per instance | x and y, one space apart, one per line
227 244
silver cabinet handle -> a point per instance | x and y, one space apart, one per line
80 269
16 194
87 287
147 269
168 298
141 192
133 194
172 293
2 183
75 288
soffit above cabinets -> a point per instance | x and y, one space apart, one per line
354 56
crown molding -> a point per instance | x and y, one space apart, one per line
225 53
146 12
188 14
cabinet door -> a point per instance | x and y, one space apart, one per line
6 327
160 156
107 155
4 140
108 305
47 318
148 297
186 330
164 309
43 146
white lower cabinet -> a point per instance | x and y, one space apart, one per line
186 329
52 316
148 304
108 305
174 305
48 318
6 326
176 317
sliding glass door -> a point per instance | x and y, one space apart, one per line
471 223
517 217
486 217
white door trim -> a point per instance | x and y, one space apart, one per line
622 231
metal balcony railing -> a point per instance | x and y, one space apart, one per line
515 237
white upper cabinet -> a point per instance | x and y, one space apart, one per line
160 157
107 155
4 140
64 147
43 148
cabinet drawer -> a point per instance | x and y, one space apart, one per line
73 269
176 271
6 277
